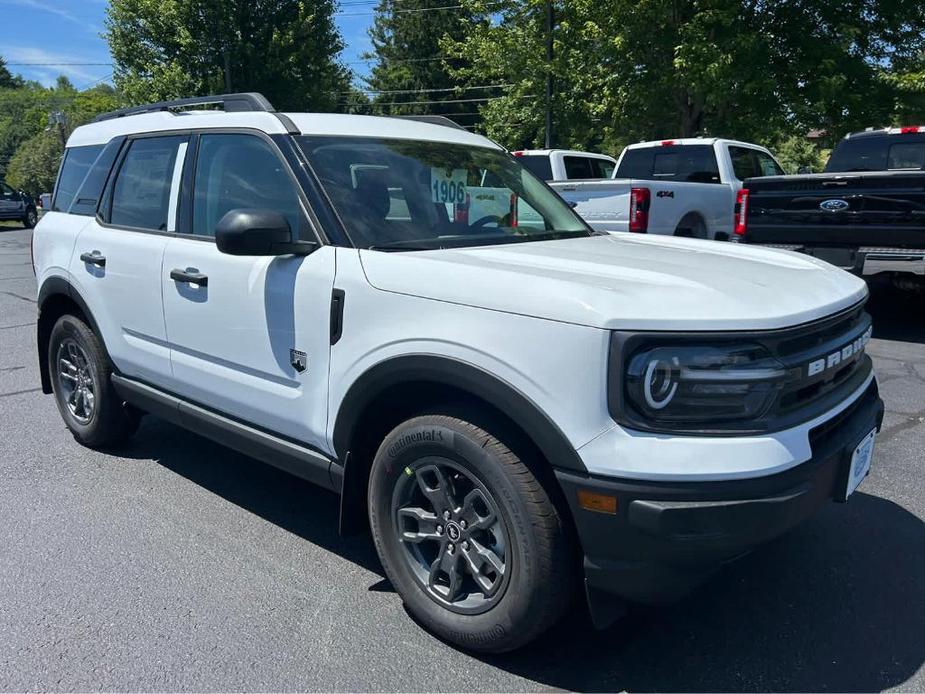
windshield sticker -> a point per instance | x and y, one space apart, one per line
448 185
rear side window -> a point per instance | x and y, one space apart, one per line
240 172
685 163
538 165
77 162
141 193
587 167
878 153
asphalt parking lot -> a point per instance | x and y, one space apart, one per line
180 565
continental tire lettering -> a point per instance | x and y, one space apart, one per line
417 437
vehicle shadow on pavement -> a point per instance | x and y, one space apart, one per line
839 604
895 312
835 605
295 505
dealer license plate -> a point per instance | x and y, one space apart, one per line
860 462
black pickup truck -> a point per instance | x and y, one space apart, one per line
865 213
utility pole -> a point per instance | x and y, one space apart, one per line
57 120
549 25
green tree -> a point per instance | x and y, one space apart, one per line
7 79
626 70
286 49
406 37
34 167
796 151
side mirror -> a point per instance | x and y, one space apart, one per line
258 232
804 170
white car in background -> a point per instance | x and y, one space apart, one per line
566 164
684 187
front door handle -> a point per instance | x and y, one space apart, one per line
190 275
94 258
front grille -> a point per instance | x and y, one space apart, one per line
825 360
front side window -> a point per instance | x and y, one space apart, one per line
141 193
238 171
410 195
77 162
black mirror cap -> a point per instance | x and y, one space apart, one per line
257 232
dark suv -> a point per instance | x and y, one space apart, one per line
15 204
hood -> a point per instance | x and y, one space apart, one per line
626 281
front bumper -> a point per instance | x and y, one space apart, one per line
666 537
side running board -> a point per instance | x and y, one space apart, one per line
294 458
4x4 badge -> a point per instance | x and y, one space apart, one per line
298 359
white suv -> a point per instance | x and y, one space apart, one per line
512 401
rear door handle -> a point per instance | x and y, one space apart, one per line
94 258
190 275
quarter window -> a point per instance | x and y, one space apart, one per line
235 171
141 194
77 162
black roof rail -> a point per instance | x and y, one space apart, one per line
246 101
434 120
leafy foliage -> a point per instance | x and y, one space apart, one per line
285 49
406 39
7 80
627 69
35 165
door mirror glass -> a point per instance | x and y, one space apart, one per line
257 232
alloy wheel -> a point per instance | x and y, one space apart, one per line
75 380
453 537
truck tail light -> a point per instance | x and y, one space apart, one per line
461 211
518 153
910 129
513 210
741 210
639 210
668 143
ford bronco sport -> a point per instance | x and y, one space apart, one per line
398 311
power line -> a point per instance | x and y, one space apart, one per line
422 91
443 101
58 64
419 9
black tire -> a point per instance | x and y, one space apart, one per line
692 227
529 539
100 420
31 218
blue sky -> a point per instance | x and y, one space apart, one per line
68 31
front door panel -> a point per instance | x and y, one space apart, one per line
234 340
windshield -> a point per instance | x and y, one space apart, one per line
413 195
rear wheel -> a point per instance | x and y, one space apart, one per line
80 377
467 535
691 227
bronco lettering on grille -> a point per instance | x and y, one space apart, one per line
830 361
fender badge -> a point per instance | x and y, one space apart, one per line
298 359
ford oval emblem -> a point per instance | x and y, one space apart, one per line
835 205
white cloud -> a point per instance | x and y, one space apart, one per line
79 74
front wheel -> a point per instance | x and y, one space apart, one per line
31 218
467 534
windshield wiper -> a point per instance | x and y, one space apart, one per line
412 245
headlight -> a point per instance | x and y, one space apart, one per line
695 385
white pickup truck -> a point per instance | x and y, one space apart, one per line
685 187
